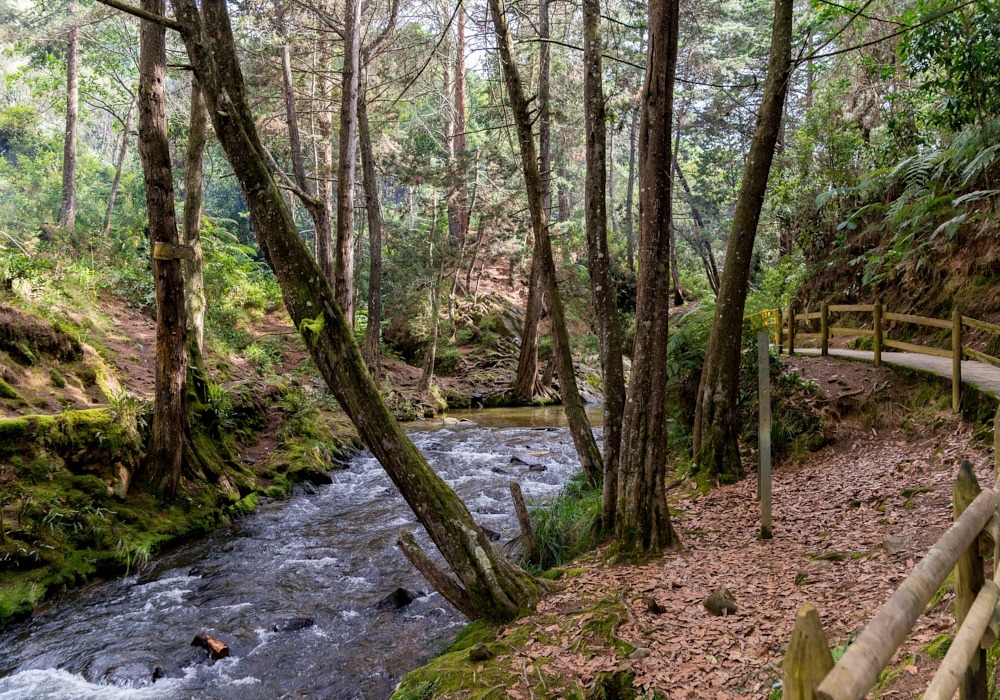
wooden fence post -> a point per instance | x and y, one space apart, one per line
791 328
808 658
777 333
969 580
877 326
824 329
764 435
996 454
956 361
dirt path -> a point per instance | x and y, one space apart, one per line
980 374
849 525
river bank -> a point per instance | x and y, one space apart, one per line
328 557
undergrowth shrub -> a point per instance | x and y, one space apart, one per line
566 526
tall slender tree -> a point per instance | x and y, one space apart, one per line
576 415
165 455
194 278
344 270
372 348
715 430
643 524
67 209
119 165
602 285
495 588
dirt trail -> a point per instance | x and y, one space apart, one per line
849 525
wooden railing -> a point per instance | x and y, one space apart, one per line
808 669
772 319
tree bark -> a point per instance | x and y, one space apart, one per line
629 196
165 455
579 425
497 589
372 348
643 525
526 381
599 258
703 245
675 274
323 237
459 145
344 272
194 292
317 207
715 430
610 169
119 164
428 374
67 210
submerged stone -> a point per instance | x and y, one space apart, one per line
293 624
399 598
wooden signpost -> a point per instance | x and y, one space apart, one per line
764 435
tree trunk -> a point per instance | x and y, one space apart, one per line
67 210
459 145
344 272
496 588
323 237
643 525
526 381
674 272
372 349
317 207
715 430
610 169
194 292
629 235
579 425
704 244
119 164
165 455
544 113
475 255
599 258
428 374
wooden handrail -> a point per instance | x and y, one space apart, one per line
980 356
836 330
852 307
919 320
910 347
859 669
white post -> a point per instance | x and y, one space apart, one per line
764 435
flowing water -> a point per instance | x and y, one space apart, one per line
328 556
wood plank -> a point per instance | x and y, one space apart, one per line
812 315
910 347
980 356
980 325
813 336
851 331
919 320
852 307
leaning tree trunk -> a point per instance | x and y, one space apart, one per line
194 292
67 210
344 272
166 449
602 285
715 430
526 380
579 425
119 164
496 588
643 525
435 290
372 348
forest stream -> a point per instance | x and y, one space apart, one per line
327 557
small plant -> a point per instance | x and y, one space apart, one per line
219 408
132 413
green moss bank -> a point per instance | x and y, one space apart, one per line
74 504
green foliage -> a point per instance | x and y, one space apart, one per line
566 526
447 361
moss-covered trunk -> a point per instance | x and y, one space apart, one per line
576 415
165 456
497 588
715 431
643 525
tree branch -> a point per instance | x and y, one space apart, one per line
143 14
